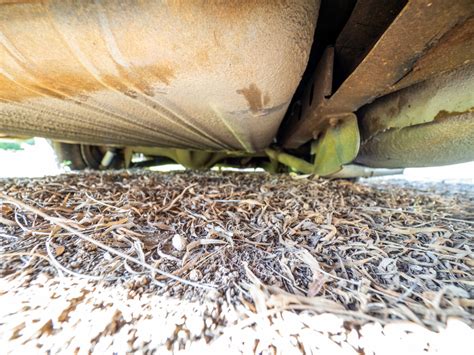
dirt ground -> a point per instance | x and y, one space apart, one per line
253 263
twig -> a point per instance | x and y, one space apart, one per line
62 223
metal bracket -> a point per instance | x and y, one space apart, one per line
313 103
338 145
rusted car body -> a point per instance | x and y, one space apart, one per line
257 80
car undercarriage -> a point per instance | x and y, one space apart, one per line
299 85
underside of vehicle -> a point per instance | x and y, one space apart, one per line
305 85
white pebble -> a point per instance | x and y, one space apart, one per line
179 243
195 275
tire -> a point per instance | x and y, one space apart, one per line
82 156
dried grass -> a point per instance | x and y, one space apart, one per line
269 247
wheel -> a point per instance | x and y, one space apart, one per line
83 156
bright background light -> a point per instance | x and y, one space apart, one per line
34 160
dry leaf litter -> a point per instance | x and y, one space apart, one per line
253 263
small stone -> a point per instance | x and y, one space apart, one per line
75 264
195 275
213 295
179 243
107 256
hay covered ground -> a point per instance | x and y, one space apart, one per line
141 261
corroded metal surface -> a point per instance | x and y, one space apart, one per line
446 95
368 21
218 75
455 49
430 123
418 30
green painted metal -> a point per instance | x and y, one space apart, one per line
427 124
291 161
338 145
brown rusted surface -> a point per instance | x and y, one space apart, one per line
318 90
368 21
254 97
454 49
185 74
416 31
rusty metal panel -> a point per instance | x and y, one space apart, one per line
368 21
187 74
426 124
455 49
445 95
415 32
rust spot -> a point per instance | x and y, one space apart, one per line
54 84
202 57
46 92
163 72
63 84
443 115
114 82
140 78
130 79
253 95
266 100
